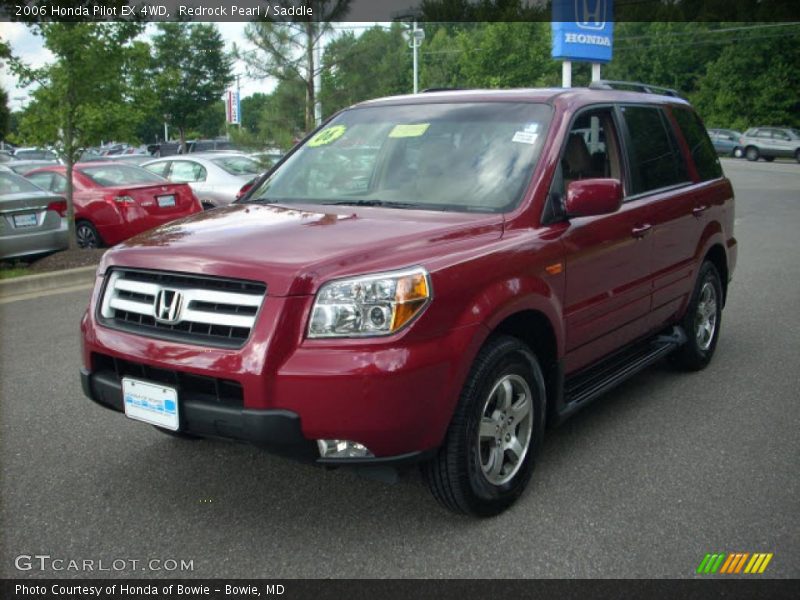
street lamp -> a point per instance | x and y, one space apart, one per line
416 35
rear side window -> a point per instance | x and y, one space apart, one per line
701 148
654 156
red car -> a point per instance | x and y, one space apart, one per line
116 201
428 278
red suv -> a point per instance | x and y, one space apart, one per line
427 278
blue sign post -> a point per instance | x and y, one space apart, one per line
583 30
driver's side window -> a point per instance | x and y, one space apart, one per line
591 151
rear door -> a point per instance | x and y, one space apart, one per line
680 214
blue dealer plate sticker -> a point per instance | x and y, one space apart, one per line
151 403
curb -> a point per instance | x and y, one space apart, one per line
27 284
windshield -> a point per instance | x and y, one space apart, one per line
14 184
462 157
112 175
238 165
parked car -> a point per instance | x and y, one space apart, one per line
726 142
216 178
480 273
114 202
6 156
770 143
20 167
131 159
30 218
34 153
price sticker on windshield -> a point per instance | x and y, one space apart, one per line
327 136
406 131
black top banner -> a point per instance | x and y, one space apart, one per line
388 10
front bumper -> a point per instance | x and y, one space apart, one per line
277 430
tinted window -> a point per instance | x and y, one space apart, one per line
701 148
654 157
113 175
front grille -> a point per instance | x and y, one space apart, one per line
207 310
194 388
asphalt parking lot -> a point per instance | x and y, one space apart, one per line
643 483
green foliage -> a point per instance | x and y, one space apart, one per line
377 63
191 72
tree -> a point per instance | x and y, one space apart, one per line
82 96
375 64
190 74
285 50
5 115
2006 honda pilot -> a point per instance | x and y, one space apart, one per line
430 279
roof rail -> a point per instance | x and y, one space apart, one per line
440 89
634 86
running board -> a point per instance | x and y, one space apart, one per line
595 380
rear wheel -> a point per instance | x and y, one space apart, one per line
702 321
738 152
87 235
752 153
488 454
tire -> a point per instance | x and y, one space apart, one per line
738 152
701 322
752 154
797 155
177 434
475 471
87 235
769 158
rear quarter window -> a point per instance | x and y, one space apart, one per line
700 147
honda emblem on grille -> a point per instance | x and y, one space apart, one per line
168 306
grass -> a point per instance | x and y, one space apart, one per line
13 272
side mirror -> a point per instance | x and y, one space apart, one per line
590 197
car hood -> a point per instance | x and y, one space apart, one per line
295 249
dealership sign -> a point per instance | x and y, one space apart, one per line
583 30
233 113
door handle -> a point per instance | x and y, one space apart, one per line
699 210
641 230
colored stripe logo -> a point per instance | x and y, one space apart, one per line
734 563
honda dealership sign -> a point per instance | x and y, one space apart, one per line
583 30
233 107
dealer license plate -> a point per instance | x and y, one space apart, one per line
166 201
150 402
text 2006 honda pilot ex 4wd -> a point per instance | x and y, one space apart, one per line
428 279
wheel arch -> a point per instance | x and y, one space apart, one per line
718 257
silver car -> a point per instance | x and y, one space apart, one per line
31 219
216 178
771 142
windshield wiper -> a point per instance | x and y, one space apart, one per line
380 203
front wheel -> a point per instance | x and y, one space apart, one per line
702 321
489 452
752 154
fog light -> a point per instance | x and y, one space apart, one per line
342 449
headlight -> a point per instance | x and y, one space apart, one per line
371 305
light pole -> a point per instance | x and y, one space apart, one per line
415 41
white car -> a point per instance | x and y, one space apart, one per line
215 177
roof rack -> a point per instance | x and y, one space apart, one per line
440 89
634 86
